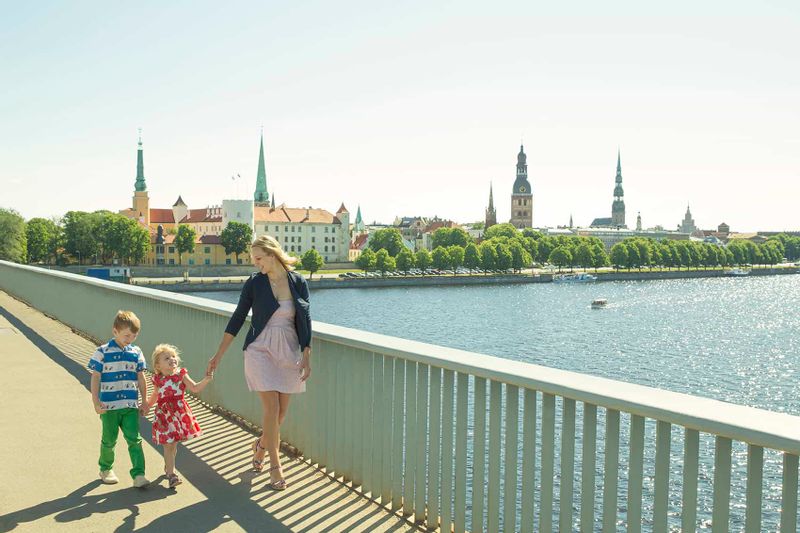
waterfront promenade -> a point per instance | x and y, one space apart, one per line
50 443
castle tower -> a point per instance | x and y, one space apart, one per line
639 221
491 214
618 207
261 195
344 237
141 201
522 194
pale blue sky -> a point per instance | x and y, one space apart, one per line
407 108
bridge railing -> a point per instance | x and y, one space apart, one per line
463 441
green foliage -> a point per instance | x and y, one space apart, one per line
619 255
311 259
520 258
440 258
384 262
42 236
488 256
446 237
236 238
13 236
560 256
472 257
184 240
424 259
504 257
501 230
456 255
366 261
79 238
389 239
405 260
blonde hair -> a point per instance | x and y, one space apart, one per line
127 319
269 245
164 349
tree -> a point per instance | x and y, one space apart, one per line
13 236
619 255
79 237
441 237
560 257
236 239
311 259
501 230
504 258
520 258
456 255
366 261
599 256
440 259
384 262
584 256
184 240
488 256
423 259
472 257
40 234
405 260
389 239
545 246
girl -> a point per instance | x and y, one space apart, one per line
277 350
173 421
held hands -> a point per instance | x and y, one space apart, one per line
305 364
212 365
144 408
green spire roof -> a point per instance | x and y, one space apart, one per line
140 184
261 194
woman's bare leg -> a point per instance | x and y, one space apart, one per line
270 438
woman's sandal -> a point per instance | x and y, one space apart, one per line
174 480
277 485
258 466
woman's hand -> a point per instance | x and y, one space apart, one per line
212 364
305 364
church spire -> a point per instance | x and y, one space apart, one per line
618 206
491 214
140 183
491 198
261 195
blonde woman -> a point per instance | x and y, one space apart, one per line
277 349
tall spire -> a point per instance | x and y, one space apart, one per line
140 183
261 195
358 227
619 168
618 206
491 198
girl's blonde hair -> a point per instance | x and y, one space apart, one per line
167 349
269 245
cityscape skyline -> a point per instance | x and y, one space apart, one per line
409 111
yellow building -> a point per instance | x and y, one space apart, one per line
207 251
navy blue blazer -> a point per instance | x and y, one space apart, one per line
257 295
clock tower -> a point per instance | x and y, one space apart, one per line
522 195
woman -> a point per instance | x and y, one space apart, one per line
280 329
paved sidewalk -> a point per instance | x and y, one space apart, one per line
50 442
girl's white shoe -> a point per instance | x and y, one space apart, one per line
108 477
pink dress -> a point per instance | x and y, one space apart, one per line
272 360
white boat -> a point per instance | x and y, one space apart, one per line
737 272
574 278
599 303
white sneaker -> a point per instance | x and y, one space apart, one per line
140 481
108 477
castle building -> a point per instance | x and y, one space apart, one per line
522 194
491 214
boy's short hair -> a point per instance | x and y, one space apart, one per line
163 348
127 319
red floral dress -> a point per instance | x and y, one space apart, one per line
174 421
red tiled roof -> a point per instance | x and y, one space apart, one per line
293 214
162 216
359 242
201 215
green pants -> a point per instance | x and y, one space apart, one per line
128 420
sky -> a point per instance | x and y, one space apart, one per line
407 108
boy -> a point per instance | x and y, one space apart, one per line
117 378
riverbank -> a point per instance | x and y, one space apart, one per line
236 283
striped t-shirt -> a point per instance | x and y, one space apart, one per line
119 368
